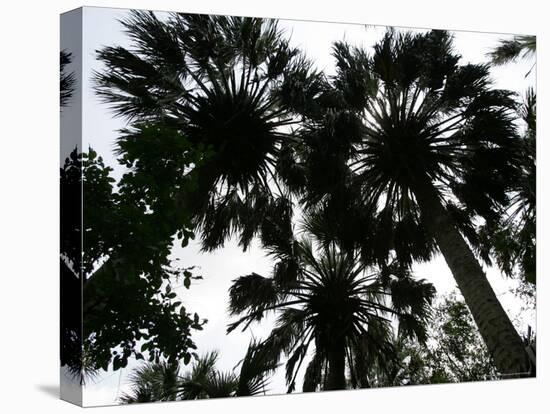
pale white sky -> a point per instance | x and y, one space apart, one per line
209 297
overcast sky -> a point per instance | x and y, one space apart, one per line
209 297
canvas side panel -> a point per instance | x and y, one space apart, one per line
71 207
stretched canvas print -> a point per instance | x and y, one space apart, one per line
252 206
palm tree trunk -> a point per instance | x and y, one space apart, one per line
336 379
494 325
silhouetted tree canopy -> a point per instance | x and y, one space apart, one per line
126 276
165 381
408 151
328 300
403 152
455 352
406 111
67 79
512 239
216 80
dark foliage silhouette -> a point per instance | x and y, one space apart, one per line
403 153
512 240
67 79
429 146
165 381
70 329
456 352
215 80
510 50
330 301
125 276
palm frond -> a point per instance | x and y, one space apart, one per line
252 292
153 382
509 50
256 367
67 80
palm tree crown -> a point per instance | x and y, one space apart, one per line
153 382
329 300
423 118
212 79
164 381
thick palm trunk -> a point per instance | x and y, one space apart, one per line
336 378
500 336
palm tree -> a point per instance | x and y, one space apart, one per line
522 46
329 302
512 240
524 200
205 381
424 145
163 381
153 382
211 79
